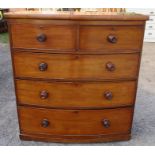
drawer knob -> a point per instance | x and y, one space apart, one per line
112 39
108 95
45 123
43 94
43 66
110 66
41 37
106 123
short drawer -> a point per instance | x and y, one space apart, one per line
57 37
57 66
75 122
111 38
76 94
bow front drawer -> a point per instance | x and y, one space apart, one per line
111 38
76 94
57 66
75 122
56 37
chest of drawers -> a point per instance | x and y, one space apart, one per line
75 75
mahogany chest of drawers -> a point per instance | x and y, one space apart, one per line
75 75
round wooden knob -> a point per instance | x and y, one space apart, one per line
41 37
108 95
110 66
43 94
106 123
112 39
43 66
45 123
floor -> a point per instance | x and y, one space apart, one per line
143 132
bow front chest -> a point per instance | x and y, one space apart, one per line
75 75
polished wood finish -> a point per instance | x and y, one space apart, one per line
75 22
55 37
74 122
77 139
75 94
63 37
75 74
111 38
76 16
76 66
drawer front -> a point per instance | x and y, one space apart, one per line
57 66
76 94
111 38
149 34
43 37
78 122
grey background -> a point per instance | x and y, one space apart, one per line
143 131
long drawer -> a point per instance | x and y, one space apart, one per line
76 94
75 122
58 66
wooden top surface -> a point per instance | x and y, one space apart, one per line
75 15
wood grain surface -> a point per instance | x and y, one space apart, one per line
57 37
75 74
78 122
95 38
75 66
76 94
